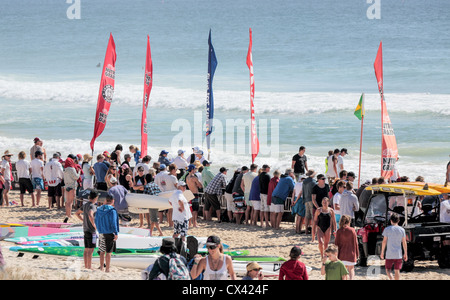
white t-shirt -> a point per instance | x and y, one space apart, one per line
37 166
330 172
7 172
340 163
336 199
298 188
23 168
166 182
180 162
177 215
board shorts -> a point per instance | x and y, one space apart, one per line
194 203
396 263
309 210
153 212
247 199
276 208
230 203
25 184
211 200
239 204
106 243
38 184
180 227
90 240
256 204
264 206
55 191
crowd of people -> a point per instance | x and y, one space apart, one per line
322 204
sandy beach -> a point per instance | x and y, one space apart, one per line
244 237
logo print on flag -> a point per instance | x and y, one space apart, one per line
212 64
148 82
253 135
106 90
389 151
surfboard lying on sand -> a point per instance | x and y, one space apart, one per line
11 225
76 251
25 231
123 241
47 224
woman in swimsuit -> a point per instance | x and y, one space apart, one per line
326 224
216 265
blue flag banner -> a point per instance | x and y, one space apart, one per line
212 64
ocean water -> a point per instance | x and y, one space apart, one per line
312 60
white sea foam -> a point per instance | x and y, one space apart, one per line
265 102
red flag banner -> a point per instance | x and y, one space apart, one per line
389 151
106 91
148 82
253 134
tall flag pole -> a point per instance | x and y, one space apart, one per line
148 83
212 64
106 91
389 151
359 113
253 134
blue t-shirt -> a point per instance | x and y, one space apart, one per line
119 192
394 242
254 190
284 188
100 169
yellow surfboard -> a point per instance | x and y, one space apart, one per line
403 188
11 225
435 186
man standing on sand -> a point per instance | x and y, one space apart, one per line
246 185
87 215
23 168
101 167
213 192
37 168
264 179
308 185
283 190
299 163
54 173
341 159
394 239
181 212
107 223
194 185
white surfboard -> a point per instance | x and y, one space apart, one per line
159 202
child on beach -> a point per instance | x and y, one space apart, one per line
293 269
333 269
86 215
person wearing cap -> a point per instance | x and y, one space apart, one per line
181 163
207 175
163 158
38 146
283 190
192 156
199 156
54 174
181 212
161 265
5 170
100 169
308 185
37 173
216 265
293 269
253 271
119 193
194 185
212 193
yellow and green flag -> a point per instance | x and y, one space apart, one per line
359 111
